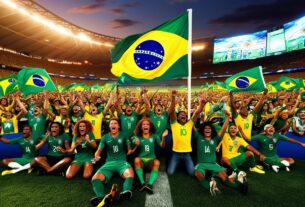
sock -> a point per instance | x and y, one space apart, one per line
230 184
205 184
98 188
127 185
252 162
139 172
153 177
25 167
14 165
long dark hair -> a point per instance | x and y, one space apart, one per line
138 130
61 127
203 125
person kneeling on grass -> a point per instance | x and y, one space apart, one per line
231 156
145 140
58 144
267 142
114 142
29 151
207 140
83 144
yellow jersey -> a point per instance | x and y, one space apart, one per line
96 122
182 135
230 147
245 123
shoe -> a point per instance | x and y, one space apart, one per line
285 162
244 186
213 187
232 176
30 170
255 169
142 188
241 176
275 168
287 169
7 172
149 189
126 195
96 201
259 167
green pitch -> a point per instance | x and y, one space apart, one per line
30 190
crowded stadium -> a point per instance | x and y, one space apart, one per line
155 118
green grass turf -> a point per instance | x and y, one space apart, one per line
282 189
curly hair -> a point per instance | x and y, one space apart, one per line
60 126
138 130
202 126
88 124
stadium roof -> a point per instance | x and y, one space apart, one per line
31 29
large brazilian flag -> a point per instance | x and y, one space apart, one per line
34 80
158 54
251 80
8 85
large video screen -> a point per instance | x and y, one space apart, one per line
295 34
276 42
243 47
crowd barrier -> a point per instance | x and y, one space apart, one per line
284 149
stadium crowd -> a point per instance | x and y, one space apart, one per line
126 132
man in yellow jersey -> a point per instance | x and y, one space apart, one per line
244 119
96 118
182 133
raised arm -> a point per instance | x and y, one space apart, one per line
225 125
108 105
198 110
172 113
233 108
243 135
259 105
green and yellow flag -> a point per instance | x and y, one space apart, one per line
158 54
251 80
76 87
8 85
271 87
287 84
34 80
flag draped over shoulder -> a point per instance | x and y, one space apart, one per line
251 80
34 80
8 85
158 54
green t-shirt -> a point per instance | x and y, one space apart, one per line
83 150
115 146
147 145
128 123
206 149
161 123
268 145
55 142
27 146
37 124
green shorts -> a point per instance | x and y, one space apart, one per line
213 167
113 166
239 160
82 160
23 160
274 160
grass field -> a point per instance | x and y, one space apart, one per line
30 190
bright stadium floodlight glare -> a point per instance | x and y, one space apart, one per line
198 47
52 25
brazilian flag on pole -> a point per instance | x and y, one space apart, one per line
251 80
158 54
286 83
34 80
8 85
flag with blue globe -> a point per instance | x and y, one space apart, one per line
34 80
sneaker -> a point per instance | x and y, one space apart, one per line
285 162
259 167
232 176
126 195
149 189
255 169
30 170
142 188
213 187
275 168
7 172
96 201
241 176
287 169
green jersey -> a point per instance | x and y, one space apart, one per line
27 146
147 146
268 145
128 123
84 150
115 146
55 142
206 149
37 124
160 122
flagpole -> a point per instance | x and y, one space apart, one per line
189 79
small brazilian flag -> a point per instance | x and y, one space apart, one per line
34 80
251 80
8 85
271 87
287 84
158 54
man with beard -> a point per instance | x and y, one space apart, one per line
182 133
268 143
114 142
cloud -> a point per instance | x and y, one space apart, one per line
131 5
120 23
86 9
118 11
264 14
